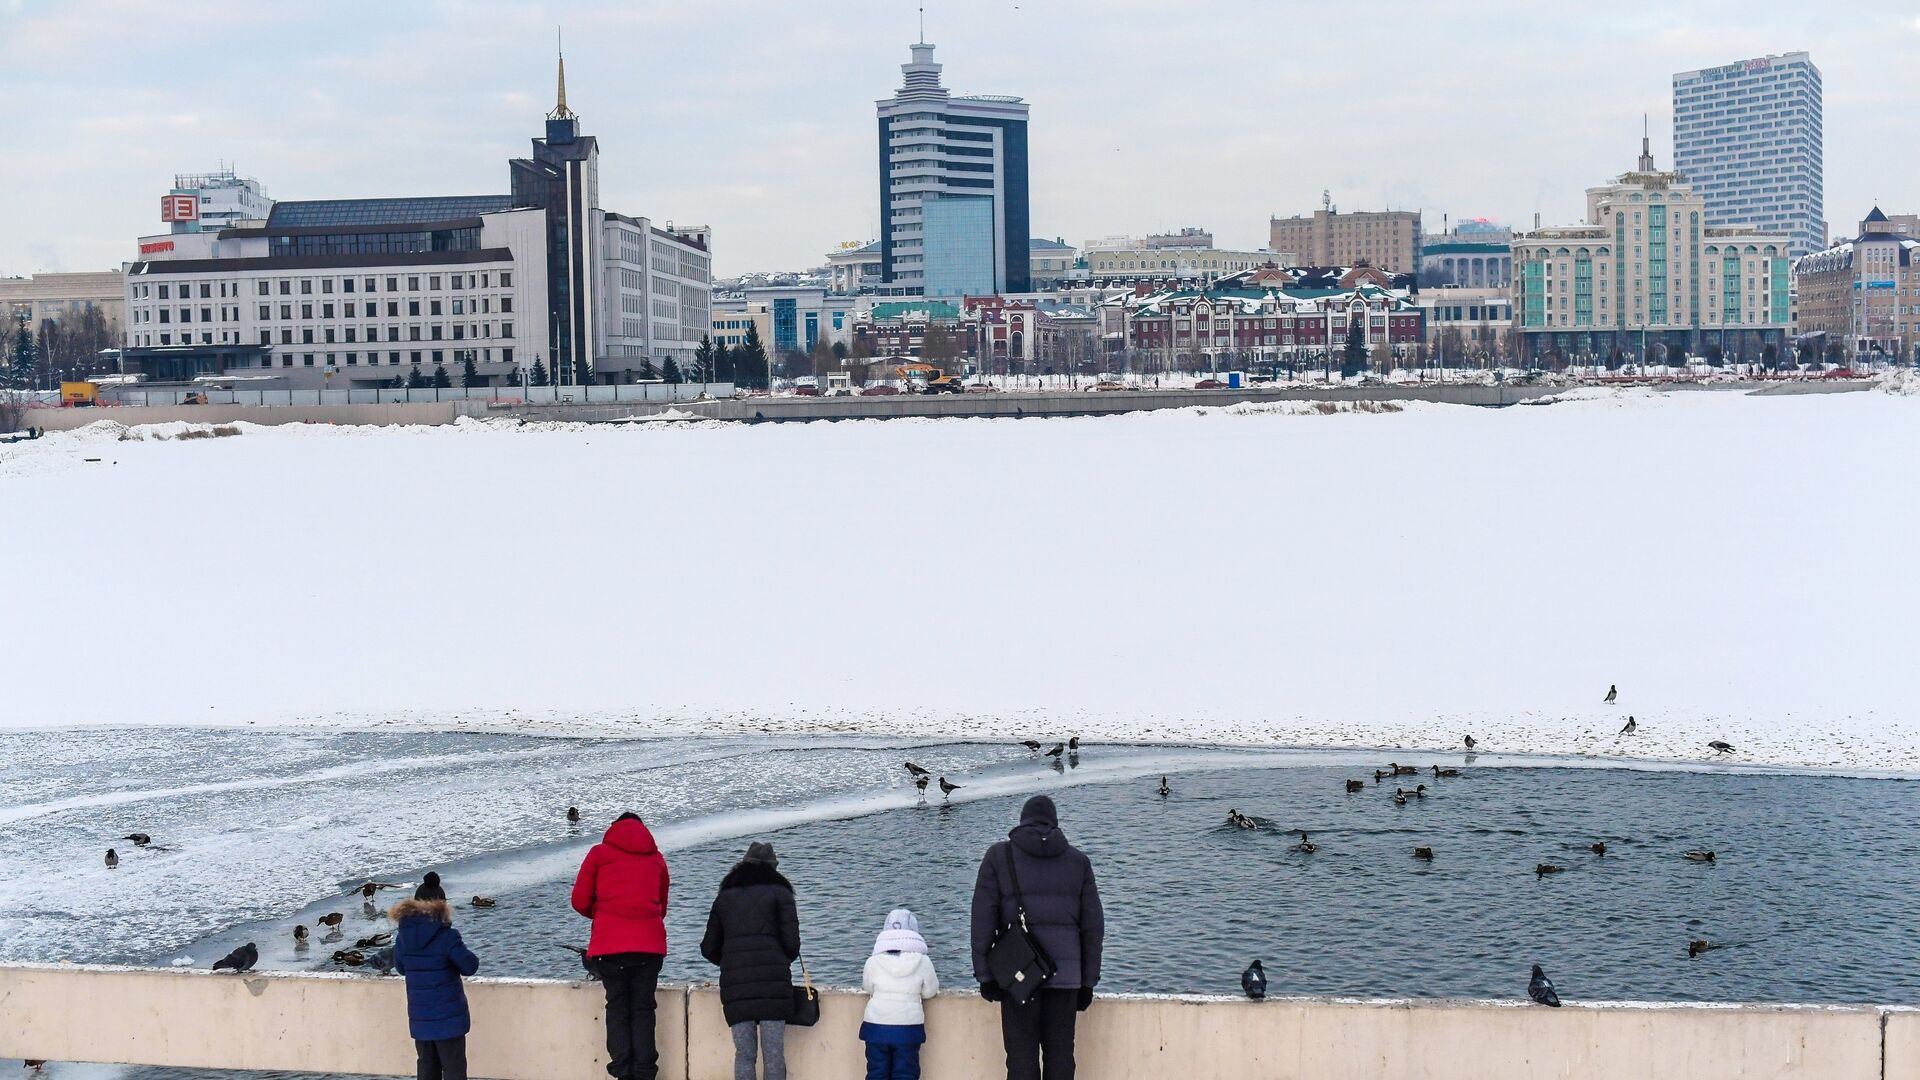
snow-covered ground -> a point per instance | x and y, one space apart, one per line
1739 566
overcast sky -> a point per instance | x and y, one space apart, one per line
756 117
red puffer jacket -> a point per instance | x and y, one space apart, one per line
622 887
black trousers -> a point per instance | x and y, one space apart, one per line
1043 1027
441 1059
632 979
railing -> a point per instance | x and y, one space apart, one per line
528 1029
529 395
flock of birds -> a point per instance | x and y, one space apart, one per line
1253 981
1071 748
375 950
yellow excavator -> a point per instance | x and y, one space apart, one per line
928 379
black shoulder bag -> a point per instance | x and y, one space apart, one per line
1015 959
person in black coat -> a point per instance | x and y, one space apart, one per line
753 933
1063 912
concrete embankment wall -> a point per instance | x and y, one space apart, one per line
528 1029
382 415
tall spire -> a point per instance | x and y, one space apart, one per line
560 110
1646 145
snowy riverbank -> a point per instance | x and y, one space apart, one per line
1736 564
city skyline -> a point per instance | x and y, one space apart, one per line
734 123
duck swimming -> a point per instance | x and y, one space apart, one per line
1356 786
1597 849
1698 946
1699 856
1306 846
1424 853
1399 797
1440 773
1546 868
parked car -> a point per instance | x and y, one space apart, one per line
880 390
1105 385
1209 384
983 388
806 391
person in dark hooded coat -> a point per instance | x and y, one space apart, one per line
622 886
1064 914
753 933
427 950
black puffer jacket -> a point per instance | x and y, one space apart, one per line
1063 903
753 933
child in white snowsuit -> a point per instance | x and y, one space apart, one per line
899 976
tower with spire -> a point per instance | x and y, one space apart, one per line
563 178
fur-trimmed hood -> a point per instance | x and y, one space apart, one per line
750 872
438 910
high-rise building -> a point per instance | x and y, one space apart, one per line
1647 276
1389 239
953 188
1747 138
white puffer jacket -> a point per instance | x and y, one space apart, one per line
898 982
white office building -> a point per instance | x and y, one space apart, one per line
1747 138
387 286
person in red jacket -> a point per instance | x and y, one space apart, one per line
622 887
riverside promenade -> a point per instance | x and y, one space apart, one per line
527 1029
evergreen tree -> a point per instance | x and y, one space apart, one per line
415 380
470 374
750 362
647 371
840 351
440 379
540 376
23 354
703 359
671 371
1770 357
582 372
722 363
1353 356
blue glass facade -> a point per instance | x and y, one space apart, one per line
959 241
786 327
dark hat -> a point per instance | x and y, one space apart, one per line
761 852
430 888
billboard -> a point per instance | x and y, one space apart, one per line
179 208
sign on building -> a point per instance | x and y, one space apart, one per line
179 208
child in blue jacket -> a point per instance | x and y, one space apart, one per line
429 952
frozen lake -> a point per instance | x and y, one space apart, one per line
1810 894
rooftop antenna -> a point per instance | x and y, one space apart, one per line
560 110
1646 146
923 24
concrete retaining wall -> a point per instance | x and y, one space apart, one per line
527 1029
386 415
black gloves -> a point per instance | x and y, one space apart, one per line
1086 999
992 992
